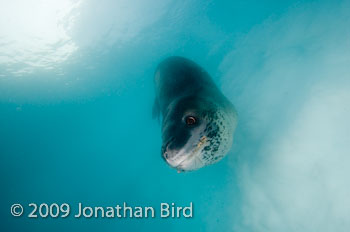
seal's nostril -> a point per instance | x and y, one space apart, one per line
165 149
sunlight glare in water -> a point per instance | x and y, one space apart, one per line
34 34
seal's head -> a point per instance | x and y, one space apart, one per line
196 132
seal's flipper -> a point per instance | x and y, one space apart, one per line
156 110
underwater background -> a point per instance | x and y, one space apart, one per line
76 95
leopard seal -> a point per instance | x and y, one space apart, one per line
198 121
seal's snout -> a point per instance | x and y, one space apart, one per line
171 154
165 154
165 150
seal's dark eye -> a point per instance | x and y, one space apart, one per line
190 120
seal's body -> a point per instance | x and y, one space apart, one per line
198 121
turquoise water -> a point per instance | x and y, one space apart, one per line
76 95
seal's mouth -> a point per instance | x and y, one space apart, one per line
183 159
